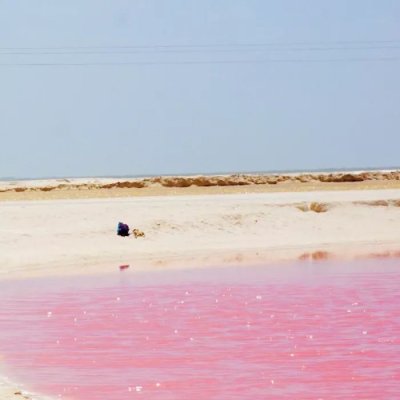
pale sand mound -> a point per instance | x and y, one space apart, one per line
74 236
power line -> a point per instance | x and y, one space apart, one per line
157 63
342 44
195 50
262 53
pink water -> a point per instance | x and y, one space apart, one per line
320 331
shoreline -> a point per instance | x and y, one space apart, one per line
10 390
266 258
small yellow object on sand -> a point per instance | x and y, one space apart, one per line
138 233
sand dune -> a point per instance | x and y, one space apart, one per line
197 181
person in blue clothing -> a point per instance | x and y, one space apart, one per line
122 229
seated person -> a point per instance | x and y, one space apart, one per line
122 229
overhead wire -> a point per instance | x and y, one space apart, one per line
216 45
185 51
374 50
206 62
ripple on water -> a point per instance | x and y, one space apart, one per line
304 331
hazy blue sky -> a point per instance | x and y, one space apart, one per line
341 108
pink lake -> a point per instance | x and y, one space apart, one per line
324 330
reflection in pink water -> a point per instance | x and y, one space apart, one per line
300 332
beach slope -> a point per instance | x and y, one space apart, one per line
79 236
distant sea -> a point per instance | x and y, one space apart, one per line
268 172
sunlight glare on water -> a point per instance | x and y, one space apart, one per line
302 331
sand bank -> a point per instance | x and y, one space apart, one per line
78 236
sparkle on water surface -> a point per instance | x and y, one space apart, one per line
301 331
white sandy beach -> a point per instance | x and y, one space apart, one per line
79 236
